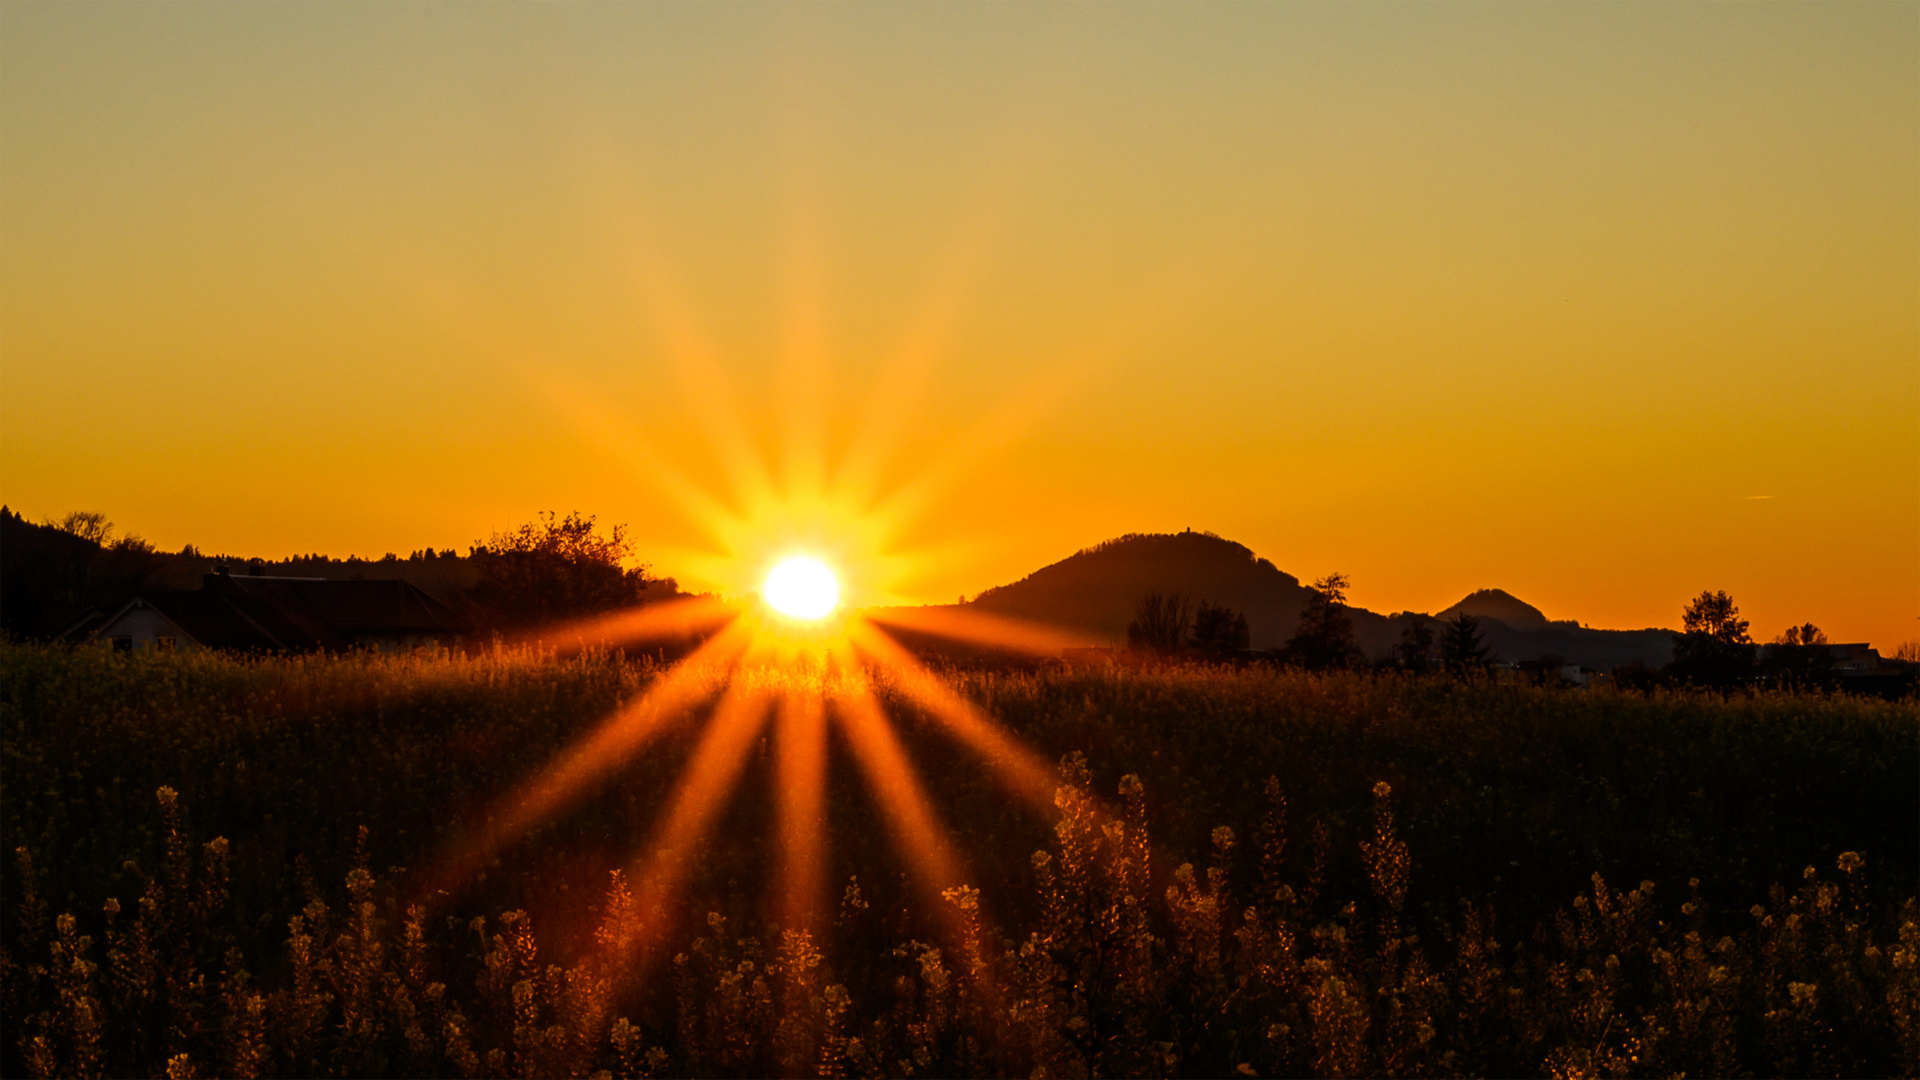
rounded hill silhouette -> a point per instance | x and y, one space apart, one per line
1500 605
1096 589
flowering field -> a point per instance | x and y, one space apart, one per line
227 867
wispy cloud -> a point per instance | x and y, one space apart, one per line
1748 497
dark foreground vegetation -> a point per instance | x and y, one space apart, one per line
221 870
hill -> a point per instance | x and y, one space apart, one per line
1095 590
1498 604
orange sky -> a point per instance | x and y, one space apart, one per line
1600 304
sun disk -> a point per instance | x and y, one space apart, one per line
801 588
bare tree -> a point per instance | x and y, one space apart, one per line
89 525
1160 623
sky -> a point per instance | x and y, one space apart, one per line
1601 304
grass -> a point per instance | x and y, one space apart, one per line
1250 872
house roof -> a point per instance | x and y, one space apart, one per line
222 620
299 614
78 627
350 607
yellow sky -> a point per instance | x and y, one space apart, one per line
1601 304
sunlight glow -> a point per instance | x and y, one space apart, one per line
812 672
802 588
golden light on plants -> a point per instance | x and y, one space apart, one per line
801 587
785 676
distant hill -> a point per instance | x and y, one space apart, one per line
1498 604
1516 630
1095 591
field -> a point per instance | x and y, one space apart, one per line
224 867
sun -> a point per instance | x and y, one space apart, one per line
806 678
801 587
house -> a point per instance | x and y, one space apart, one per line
1854 656
258 613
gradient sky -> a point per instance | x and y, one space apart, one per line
1602 304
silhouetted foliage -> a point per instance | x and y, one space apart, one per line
554 569
1461 649
1415 650
1219 631
1713 648
51 572
1799 658
1714 614
1160 623
1324 640
1636 676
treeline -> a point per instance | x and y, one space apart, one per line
542 572
1714 650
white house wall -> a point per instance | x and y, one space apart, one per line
145 625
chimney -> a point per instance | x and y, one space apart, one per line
255 568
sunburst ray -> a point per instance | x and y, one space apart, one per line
617 739
1020 769
678 618
800 770
709 777
982 628
915 827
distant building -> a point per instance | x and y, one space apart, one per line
1550 670
1854 656
257 613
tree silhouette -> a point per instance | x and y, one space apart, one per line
1160 623
1416 645
1219 632
1713 649
89 525
57 569
1461 648
557 568
1799 657
1325 637
1714 614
